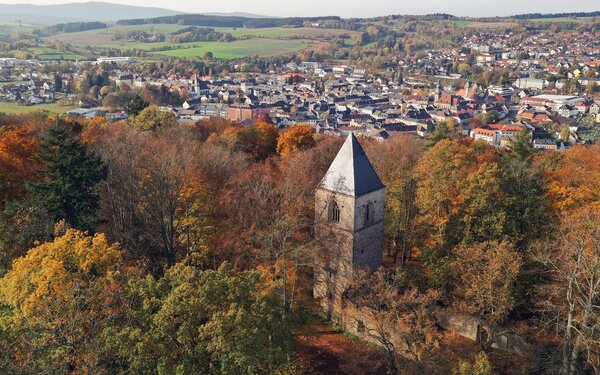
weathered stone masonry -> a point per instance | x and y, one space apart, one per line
349 210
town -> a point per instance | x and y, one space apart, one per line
548 84
235 193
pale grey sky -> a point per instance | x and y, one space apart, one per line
359 8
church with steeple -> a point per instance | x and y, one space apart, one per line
349 209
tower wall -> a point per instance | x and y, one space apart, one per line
353 244
333 269
368 236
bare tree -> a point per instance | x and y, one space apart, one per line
273 225
484 283
402 321
394 162
571 298
155 200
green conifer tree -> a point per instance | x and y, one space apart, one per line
67 187
136 106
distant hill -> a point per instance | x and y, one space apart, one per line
77 12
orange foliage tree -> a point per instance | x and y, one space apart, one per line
576 180
269 214
18 148
155 201
258 140
484 279
395 161
299 137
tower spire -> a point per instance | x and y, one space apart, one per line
351 172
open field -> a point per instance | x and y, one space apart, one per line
14 108
237 49
59 56
562 19
261 42
491 25
103 37
42 52
510 23
13 27
286 32
483 25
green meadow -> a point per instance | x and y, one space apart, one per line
237 49
42 52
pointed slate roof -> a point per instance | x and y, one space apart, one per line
351 172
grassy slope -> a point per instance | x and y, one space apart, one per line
103 36
12 27
262 42
42 52
14 108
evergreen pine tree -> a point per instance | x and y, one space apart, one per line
521 147
526 204
442 131
67 184
58 84
136 106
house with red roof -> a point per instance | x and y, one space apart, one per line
485 135
497 134
536 118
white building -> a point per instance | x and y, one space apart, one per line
115 60
531 83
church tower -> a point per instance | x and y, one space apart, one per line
438 91
349 209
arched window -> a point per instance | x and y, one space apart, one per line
333 212
369 213
360 326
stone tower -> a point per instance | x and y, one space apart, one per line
438 91
349 208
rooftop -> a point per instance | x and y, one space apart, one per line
351 171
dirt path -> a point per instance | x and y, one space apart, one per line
326 351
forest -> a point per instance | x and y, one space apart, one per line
73 27
148 247
198 34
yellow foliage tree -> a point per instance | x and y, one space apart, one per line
61 296
480 366
151 118
441 179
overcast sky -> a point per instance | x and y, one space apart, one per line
362 8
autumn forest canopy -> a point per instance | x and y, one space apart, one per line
151 247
